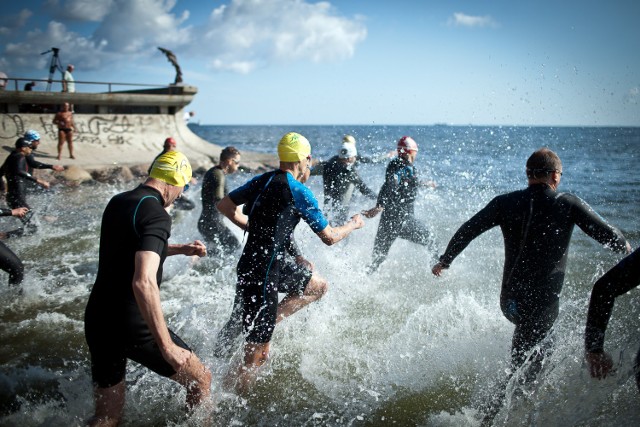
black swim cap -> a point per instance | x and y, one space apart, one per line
21 142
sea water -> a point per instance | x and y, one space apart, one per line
398 347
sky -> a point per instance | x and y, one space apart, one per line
350 62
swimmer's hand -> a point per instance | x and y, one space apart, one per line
600 364
19 212
372 212
196 248
176 356
357 221
437 269
57 168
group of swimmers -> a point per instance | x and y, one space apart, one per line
536 222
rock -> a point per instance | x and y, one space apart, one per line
75 175
113 175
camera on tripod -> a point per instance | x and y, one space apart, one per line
54 65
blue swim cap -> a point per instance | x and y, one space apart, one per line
31 135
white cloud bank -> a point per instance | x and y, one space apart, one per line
239 36
463 20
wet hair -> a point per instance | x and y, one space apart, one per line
228 153
542 163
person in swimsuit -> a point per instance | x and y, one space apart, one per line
219 239
275 202
66 127
537 224
617 281
123 318
396 201
340 178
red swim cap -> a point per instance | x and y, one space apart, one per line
170 141
406 144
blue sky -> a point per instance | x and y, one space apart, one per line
351 61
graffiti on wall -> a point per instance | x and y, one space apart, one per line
92 129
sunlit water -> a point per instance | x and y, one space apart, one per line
399 347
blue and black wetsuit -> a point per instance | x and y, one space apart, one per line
114 327
397 196
220 240
9 261
536 224
339 181
617 281
276 202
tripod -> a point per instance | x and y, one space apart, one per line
55 65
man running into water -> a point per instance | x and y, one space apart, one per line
220 240
124 318
536 223
66 127
182 203
396 201
617 281
340 178
276 201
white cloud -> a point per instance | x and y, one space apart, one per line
250 33
135 26
80 10
463 20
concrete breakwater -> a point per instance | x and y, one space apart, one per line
118 134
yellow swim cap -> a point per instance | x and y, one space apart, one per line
348 139
173 168
293 147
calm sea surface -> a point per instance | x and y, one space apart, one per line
399 347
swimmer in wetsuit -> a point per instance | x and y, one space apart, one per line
340 178
396 202
537 224
276 201
220 240
9 261
123 318
617 281
66 127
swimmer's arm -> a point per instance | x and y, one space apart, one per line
332 235
233 212
147 294
190 249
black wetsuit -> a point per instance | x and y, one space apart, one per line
617 281
397 197
16 170
536 224
114 327
220 239
339 181
276 203
9 261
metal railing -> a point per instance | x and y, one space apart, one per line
16 83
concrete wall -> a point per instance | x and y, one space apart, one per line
109 139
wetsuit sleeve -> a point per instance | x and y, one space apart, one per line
360 185
318 168
5 212
21 169
33 163
617 281
218 191
307 205
152 225
484 220
596 227
244 193
365 159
